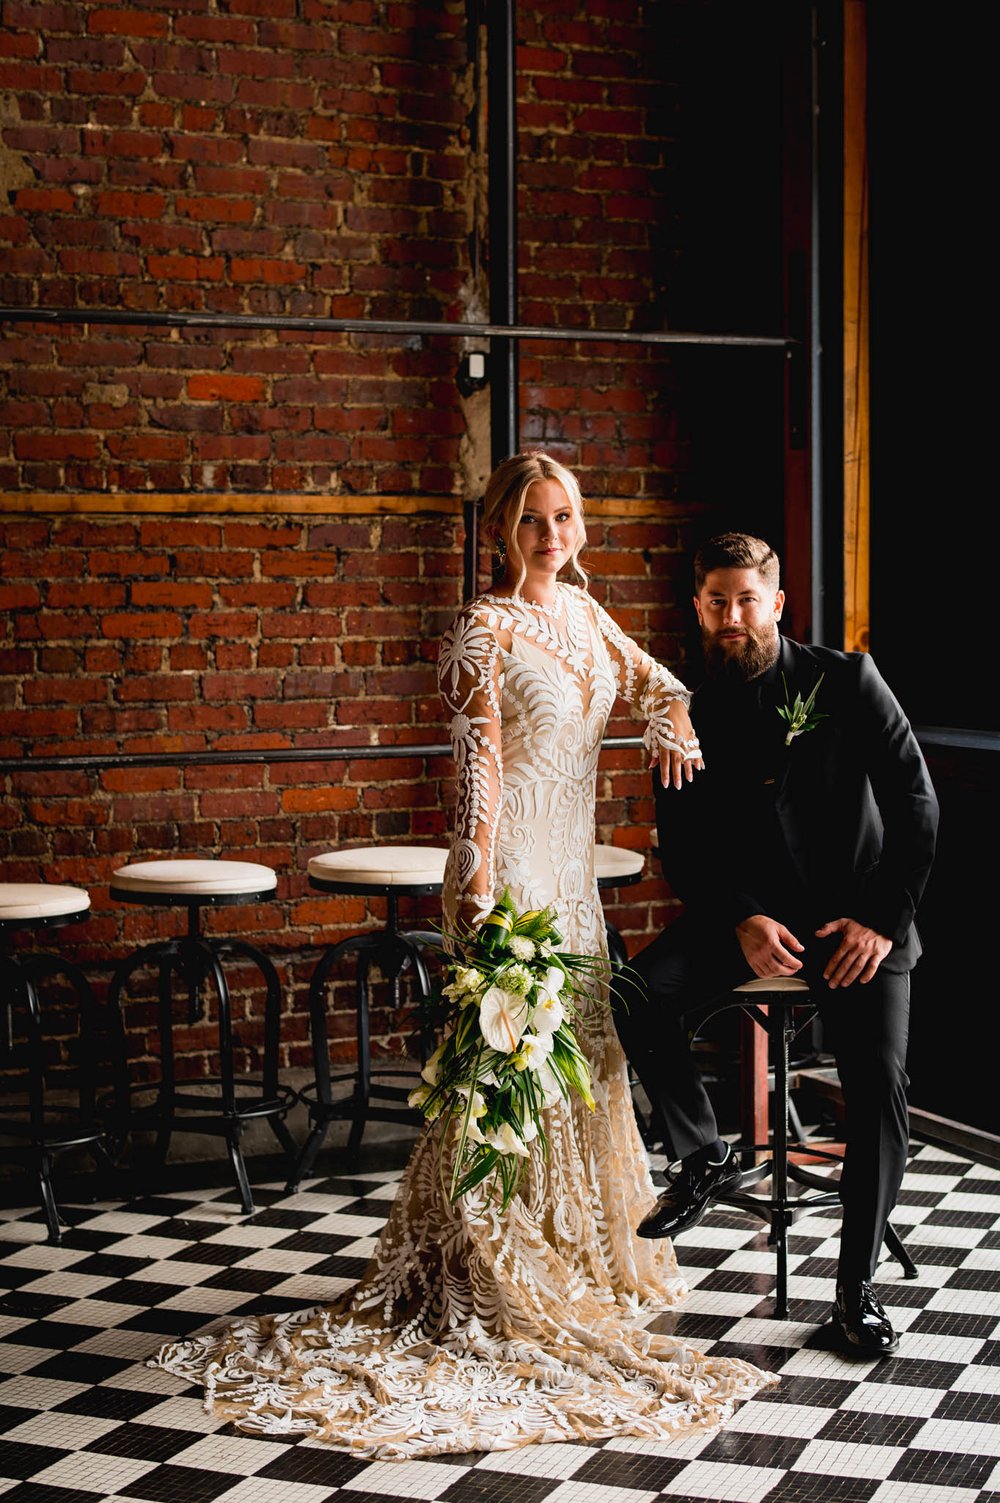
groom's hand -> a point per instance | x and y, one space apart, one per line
858 956
767 946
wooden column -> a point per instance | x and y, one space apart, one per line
857 494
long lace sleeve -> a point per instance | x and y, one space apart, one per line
646 685
470 679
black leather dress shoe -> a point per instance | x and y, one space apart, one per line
860 1324
688 1196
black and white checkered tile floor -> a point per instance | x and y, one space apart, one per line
84 1421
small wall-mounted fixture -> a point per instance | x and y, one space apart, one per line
471 374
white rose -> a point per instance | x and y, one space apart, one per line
502 1019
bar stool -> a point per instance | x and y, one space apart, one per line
616 867
47 1129
233 1100
770 1005
390 872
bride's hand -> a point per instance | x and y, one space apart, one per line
681 758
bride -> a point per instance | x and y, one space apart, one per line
472 1330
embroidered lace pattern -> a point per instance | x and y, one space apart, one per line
471 1331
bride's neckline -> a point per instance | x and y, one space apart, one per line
554 610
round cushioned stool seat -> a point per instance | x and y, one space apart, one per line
25 901
194 878
774 984
612 862
382 866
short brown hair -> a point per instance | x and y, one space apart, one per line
737 550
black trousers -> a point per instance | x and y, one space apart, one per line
864 1026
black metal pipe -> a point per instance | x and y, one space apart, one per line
282 322
927 735
258 756
501 145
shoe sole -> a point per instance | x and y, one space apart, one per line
843 1344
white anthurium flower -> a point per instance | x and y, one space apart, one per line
552 982
548 1015
478 1101
432 1070
521 947
534 1051
505 1140
502 1019
529 1130
470 1130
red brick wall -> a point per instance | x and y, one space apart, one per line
164 635
302 158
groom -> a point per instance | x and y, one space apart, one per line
802 857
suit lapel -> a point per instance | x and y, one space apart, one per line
788 666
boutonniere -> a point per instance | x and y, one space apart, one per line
801 716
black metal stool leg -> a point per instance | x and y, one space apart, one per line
272 1032
229 1109
617 953
778 1027
48 1199
321 1061
165 1091
898 1251
239 1167
362 1089
36 1099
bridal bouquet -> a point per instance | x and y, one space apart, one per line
508 1050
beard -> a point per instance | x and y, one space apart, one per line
752 657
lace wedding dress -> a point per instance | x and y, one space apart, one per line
473 1331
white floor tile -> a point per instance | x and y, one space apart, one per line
598 1492
716 1479
228 1453
93 1312
801 1421
270 1490
27 1392
405 1479
838 1458
65 1431
963 1437
90 1472
893 1398
538 1461
922 1492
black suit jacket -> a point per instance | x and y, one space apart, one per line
853 802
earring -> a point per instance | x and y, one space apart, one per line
501 551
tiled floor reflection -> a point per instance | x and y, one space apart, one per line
82 1420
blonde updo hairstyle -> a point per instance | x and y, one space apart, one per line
503 506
